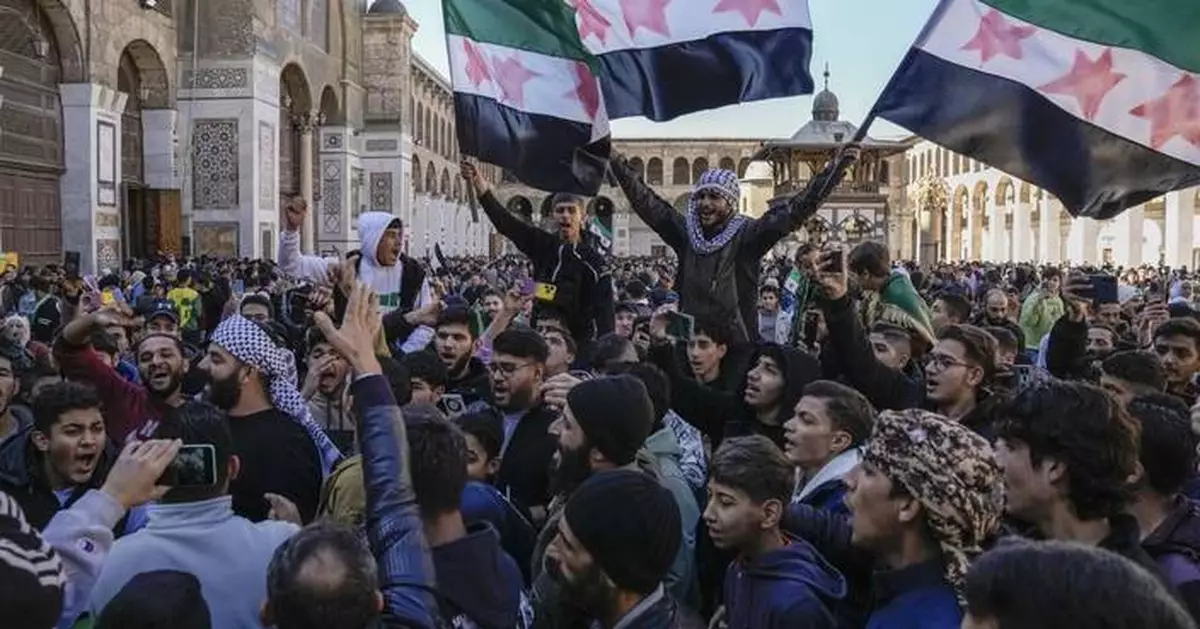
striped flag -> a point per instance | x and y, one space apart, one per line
526 97
1096 101
665 58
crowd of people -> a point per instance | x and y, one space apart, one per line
563 439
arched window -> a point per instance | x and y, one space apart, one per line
654 172
416 175
418 120
679 172
698 168
638 167
743 164
430 179
445 183
727 164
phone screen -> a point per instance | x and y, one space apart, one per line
194 466
680 325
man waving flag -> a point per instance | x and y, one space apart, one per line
1096 101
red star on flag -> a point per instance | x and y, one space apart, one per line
1089 82
477 66
586 91
511 78
1176 113
752 10
996 36
591 21
650 15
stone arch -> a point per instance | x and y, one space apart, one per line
856 228
331 109
294 85
295 107
417 175
958 222
680 173
681 202
66 47
1005 192
430 179
638 166
979 198
654 172
445 183
1026 194
726 163
743 164
698 168
153 87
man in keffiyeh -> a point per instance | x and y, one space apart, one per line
719 249
252 376
934 488
891 296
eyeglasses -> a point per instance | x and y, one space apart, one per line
506 369
941 362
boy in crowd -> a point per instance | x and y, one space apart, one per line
1132 373
455 345
428 377
777 581
824 441
1177 343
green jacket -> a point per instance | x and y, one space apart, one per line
1038 314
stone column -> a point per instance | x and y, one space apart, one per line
159 142
335 228
1082 244
1127 249
90 188
973 226
306 123
1050 231
1179 228
996 247
1022 233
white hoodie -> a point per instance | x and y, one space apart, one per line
384 280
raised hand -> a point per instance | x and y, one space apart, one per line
357 336
133 479
294 213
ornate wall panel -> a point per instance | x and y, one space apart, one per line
215 164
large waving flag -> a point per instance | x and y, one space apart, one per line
1096 101
665 58
526 96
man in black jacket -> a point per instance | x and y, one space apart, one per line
719 250
574 274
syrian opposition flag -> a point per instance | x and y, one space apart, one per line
1096 101
665 58
526 97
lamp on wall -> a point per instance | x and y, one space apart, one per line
41 47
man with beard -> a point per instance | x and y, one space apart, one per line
574 273
454 343
996 314
720 251
612 549
604 423
252 377
129 408
517 371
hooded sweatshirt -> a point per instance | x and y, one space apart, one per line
790 587
387 281
479 583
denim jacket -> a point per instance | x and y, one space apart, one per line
393 519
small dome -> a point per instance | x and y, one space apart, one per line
825 107
387 7
759 170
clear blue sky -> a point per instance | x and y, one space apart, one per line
863 41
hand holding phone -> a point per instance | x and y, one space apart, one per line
680 326
135 478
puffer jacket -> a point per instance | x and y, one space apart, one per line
722 285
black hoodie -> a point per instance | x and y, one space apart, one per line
721 414
478 582
475 385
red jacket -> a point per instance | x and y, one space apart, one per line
128 408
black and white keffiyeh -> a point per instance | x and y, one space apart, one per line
250 344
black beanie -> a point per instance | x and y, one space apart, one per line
615 413
629 524
160 599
